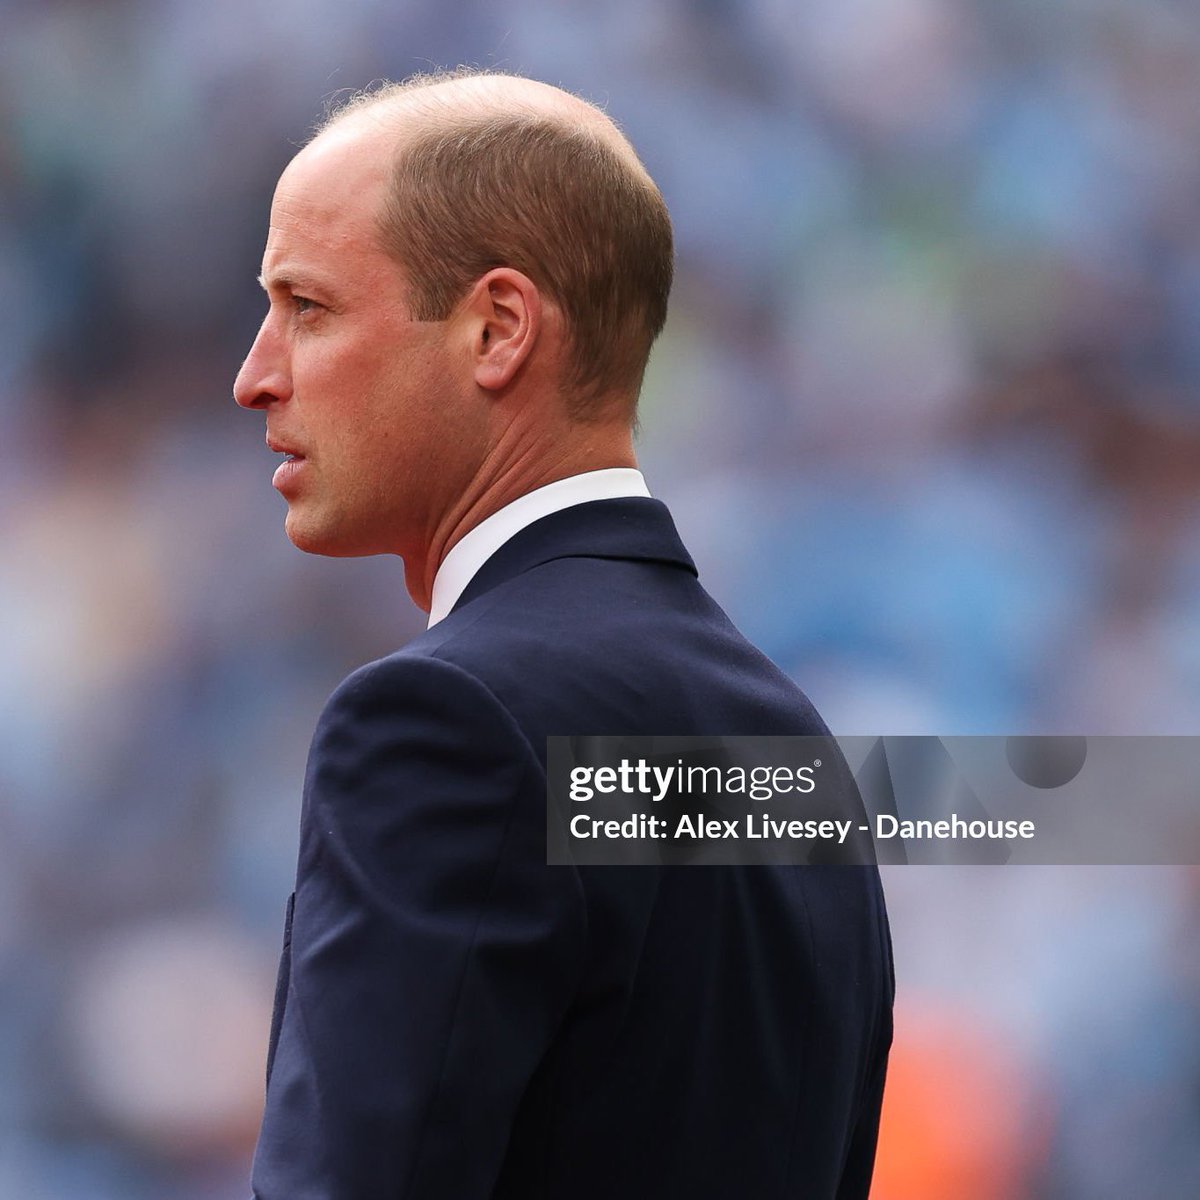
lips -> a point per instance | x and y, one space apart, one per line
286 477
293 453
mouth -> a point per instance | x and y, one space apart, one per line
287 471
290 453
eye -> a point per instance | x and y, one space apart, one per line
303 305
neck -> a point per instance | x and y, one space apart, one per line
514 467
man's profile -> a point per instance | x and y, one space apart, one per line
465 275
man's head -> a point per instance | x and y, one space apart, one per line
466 274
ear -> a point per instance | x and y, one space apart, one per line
503 314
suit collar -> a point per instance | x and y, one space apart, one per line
478 544
636 528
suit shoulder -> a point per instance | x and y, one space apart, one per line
422 689
586 644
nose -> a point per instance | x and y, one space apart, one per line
265 377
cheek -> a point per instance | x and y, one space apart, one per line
383 415
409 400
340 398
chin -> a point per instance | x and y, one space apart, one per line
315 538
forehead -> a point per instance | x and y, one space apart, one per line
328 198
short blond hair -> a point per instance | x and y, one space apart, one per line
564 201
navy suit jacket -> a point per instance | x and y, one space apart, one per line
457 1020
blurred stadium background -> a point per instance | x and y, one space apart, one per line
927 410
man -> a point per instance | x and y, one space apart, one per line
465 276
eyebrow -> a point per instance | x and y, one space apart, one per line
288 283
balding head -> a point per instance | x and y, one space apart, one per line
451 97
491 170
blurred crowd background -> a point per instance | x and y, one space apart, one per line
927 410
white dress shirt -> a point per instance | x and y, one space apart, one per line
475 547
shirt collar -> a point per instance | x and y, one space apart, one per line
476 546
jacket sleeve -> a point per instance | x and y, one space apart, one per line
433 952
